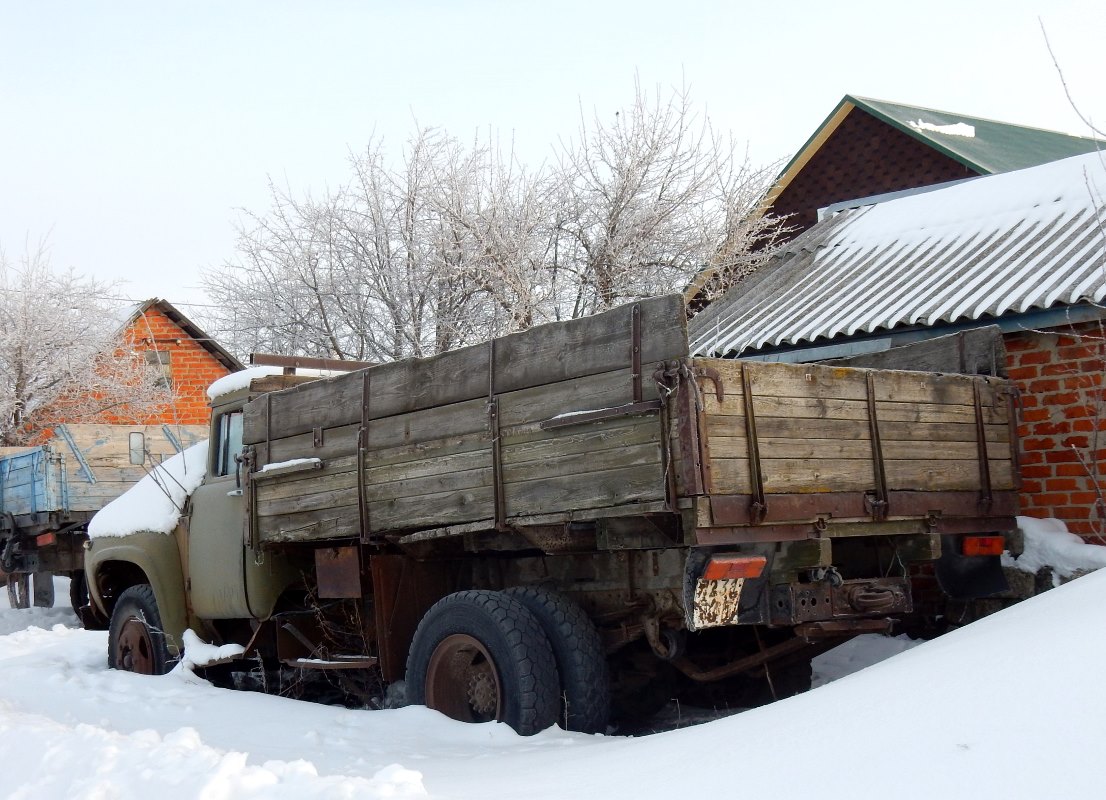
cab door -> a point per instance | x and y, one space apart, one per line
227 578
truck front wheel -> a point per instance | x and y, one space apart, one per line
479 656
136 642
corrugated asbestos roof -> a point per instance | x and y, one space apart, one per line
996 245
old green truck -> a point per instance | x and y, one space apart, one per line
565 521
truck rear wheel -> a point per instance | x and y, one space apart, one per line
479 656
136 642
578 652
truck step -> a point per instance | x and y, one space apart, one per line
334 662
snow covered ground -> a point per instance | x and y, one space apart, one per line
1008 707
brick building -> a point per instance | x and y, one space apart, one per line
1022 251
867 148
188 358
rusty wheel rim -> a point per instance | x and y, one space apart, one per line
462 681
134 649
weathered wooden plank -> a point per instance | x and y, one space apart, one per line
535 445
332 523
591 490
856 475
796 428
814 381
542 355
775 447
807 408
428 511
979 351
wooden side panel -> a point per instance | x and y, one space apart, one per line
429 456
105 451
814 433
434 467
30 482
542 356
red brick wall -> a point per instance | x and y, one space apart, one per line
1060 376
193 368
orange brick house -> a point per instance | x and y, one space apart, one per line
188 358
1024 251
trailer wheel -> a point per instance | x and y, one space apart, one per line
578 652
19 590
479 656
136 642
78 591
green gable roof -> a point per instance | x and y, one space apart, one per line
995 146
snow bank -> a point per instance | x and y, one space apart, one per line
856 654
156 501
1049 544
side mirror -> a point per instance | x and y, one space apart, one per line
137 446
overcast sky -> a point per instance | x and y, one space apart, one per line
131 132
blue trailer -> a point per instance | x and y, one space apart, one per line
49 493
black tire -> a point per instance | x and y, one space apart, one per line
136 642
78 591
19 590
578 652
478 656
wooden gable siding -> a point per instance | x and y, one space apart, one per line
862 157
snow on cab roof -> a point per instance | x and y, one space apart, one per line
241 380
990 246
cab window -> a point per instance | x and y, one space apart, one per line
230 442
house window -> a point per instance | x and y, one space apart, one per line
162 363
230 442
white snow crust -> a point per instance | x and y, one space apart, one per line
198 653
958 129
146 506
1048 543
289 463
1007 707
241 380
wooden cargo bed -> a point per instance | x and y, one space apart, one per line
606 417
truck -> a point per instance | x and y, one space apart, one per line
566 525
49 492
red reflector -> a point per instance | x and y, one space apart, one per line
723 567
45 539
983 545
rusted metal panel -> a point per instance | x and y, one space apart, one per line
716 603
338 572
403 591
794 603
733 510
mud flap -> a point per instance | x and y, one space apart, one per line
968 577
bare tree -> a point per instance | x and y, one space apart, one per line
460 242
61 357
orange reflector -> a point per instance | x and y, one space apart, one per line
723 567
983 545
45 539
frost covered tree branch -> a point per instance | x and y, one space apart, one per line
457 242
61 358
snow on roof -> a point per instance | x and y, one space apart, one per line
995 245
241 380
957 129
155 502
